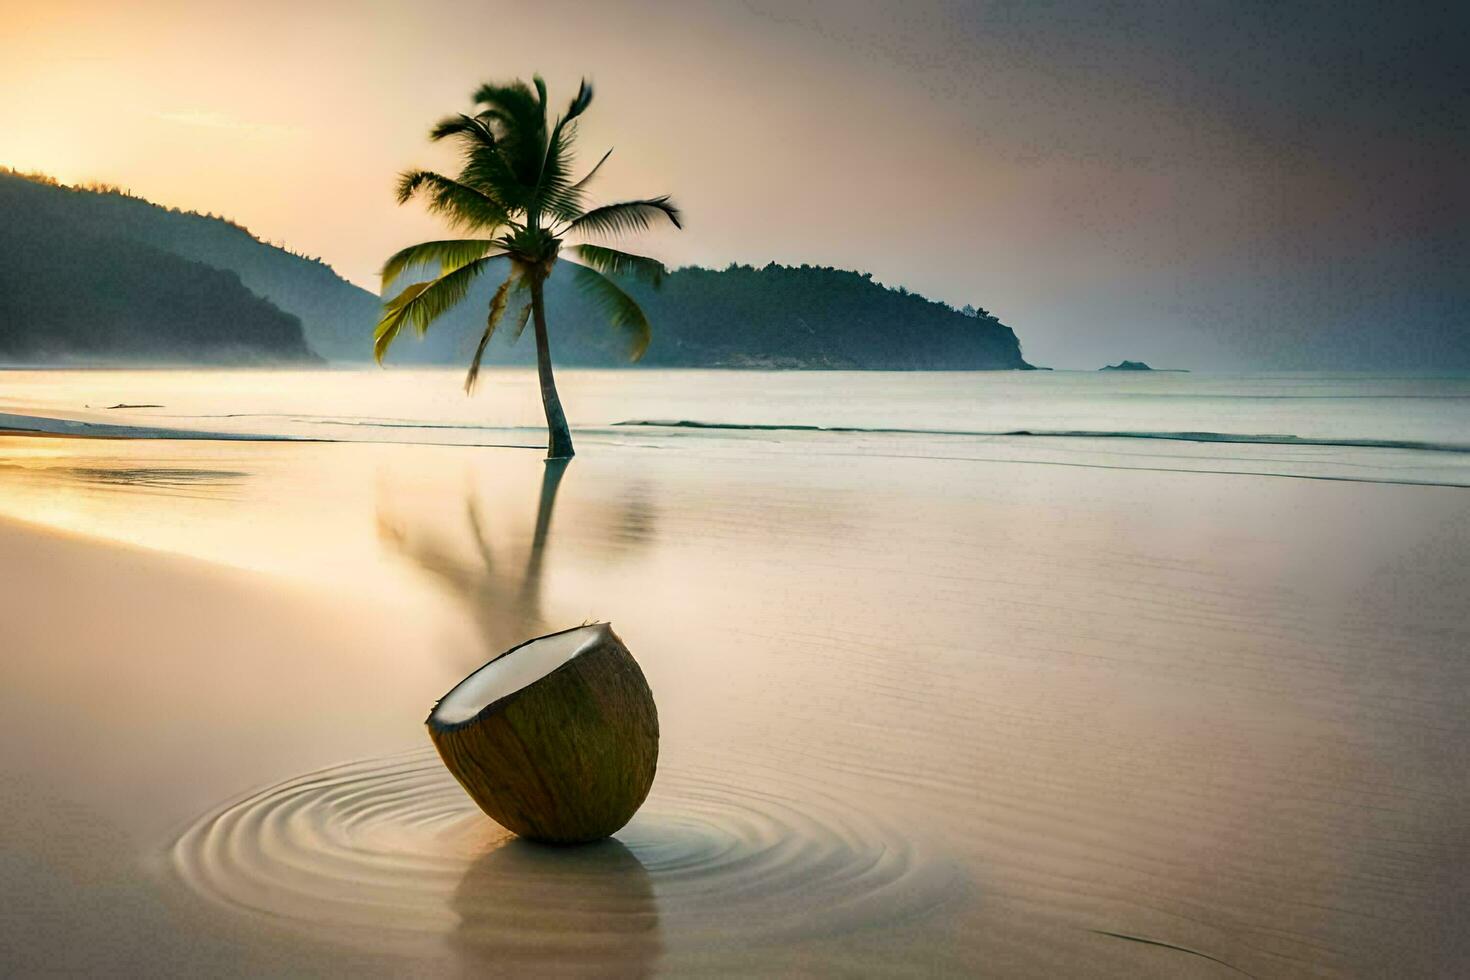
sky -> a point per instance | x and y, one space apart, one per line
1212 185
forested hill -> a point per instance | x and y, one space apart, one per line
812 316
73 293
775 316
741 316
335 315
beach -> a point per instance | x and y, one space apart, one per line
982 674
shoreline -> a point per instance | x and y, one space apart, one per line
1075 449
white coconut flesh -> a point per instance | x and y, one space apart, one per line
510 672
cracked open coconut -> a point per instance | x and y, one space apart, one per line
556 739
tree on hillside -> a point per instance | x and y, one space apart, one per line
515 192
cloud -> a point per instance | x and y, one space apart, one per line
205 119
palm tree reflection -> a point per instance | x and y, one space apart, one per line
504 597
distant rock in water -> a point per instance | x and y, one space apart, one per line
1140 366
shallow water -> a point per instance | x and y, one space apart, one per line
1356 427
918 714
372 850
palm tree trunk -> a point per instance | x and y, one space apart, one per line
560 444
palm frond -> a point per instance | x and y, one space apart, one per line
620 309
510 102
388 326
423 302
519 118
566 204
521 319
581 102
625 217
498 302
612 262
465 206
473 133
587 178
448 255
491 172
554 192
485 165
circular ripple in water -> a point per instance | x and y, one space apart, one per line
395 846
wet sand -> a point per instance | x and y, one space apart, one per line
938 716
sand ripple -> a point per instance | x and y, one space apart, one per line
394 845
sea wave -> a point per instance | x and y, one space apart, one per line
1219 437
1346 459
48 425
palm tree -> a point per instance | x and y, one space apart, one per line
515 193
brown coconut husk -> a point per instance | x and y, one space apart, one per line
566 759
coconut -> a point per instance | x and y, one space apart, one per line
555 739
